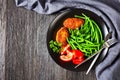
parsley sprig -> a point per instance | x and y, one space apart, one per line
55 46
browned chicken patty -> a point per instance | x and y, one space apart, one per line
62 35
73 23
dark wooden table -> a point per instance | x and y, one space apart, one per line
23 51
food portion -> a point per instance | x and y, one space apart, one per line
62 35
67 54
79 38
78 56
73 23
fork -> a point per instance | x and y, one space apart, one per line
107 44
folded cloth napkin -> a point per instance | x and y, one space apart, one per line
109 10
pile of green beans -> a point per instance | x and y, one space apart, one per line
88 38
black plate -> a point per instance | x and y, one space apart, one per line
57 24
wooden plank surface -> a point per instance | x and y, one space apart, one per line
26 55
2 38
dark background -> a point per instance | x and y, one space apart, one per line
23 51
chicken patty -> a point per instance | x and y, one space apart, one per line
73 23
62 35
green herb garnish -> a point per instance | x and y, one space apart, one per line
55 46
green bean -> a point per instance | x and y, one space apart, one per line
79 17
71 44
89 42
98 29
73 37
97 37
86 17
79 40
86 22
92 28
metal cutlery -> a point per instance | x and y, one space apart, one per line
107 44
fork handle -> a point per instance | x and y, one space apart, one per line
95 59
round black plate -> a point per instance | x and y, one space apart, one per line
57 23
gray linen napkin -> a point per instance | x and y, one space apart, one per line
109 69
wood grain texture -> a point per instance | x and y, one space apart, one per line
2 38
26 55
